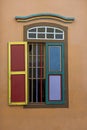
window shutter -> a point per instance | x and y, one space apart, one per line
17 75
55 73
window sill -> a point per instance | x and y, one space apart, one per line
43 105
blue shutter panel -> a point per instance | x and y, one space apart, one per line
55 73
54 58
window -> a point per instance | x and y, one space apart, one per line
45 32
37 76
38 70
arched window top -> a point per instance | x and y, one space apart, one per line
45 32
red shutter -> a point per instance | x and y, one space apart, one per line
17 73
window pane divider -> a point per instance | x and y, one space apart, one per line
36 72
32 75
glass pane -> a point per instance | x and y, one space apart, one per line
50 36
30 49
34 49
41 49
34 72
50 30
34 90
30 90
54 87
30 61
59 36
58 31
40 72
54 58
32 35
41 29
34 61
30 72
32 30
41 35
40 58
43 90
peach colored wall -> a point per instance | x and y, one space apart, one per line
72 118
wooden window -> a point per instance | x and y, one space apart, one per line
38 69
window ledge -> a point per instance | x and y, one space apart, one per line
43 105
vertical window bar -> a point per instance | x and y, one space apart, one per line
63 34
37 33
44 60
27 34
32 76
54 33
45 32
36 72
41 73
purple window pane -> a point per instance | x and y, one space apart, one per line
55 87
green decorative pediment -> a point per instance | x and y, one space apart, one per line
44 16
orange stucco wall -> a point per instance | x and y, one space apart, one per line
72 118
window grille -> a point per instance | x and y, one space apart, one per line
37 73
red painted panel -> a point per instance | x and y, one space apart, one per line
17 57
18 88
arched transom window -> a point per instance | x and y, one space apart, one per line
45 32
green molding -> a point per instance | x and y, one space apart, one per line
44 16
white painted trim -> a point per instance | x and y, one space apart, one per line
45 32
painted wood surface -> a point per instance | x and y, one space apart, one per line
44 16
18 88
17 54
54 58
53 84
54 87
17 57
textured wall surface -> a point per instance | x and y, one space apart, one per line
72 118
